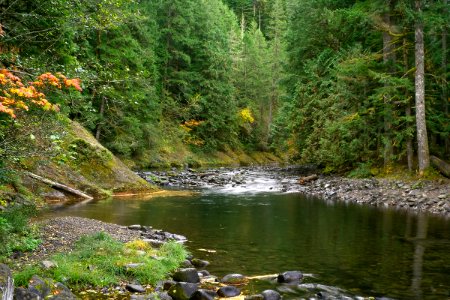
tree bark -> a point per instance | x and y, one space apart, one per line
441 165
423 153
59 186
99 124
389 60
445 82
409 142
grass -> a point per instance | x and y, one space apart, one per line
99 260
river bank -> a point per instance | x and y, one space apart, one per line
413 195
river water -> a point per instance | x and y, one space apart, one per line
345 249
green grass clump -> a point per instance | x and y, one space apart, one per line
99 260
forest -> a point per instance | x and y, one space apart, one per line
344 84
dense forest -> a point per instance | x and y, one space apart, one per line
341 83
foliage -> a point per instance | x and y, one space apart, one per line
15 232
98 260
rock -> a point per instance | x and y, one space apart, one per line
183 290
40 286
228 291
135 227
48 264
154 296
234 279
198 263
187 264
54 195
254 297
135 288
24 294
154 243
186 275
290 277
6 283
209 279
203 295
167 284
61 292
204 273
271 295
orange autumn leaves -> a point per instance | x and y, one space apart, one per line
15 95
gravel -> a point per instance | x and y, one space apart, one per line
60 234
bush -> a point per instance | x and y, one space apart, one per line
99 260
15 232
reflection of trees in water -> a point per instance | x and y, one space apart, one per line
419 244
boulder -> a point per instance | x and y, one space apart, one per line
271 295
228 291
290 277
234 279
198 263
48 264
6 283
203 294
24 294
61 292
40 286
182 290
187 264
135 288
186 275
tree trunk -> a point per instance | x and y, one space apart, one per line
409 142
444 83
99 124
441 165
423 153
389 60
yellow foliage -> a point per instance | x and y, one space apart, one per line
246 115
138 245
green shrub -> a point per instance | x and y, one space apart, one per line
98 261
15 232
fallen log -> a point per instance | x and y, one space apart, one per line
303 180
59 186
441 165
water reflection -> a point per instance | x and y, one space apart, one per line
362 250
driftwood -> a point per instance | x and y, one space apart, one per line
59 186
303 180
441 165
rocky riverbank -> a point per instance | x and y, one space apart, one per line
190 281
413 195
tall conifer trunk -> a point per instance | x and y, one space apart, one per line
409 142
444 72
422 136
389 60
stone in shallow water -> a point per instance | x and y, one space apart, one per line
186 275
271 295
234 279
290 277
135 227
254 297
228 291
198 263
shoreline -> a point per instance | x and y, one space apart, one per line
414 195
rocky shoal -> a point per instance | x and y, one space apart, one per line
414 195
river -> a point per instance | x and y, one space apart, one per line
345 249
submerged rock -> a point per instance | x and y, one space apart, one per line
203 294
271 295
234 279
290 277
228 291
